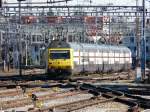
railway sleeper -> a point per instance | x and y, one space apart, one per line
68 107
116 96
143 102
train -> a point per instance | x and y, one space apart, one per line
68 58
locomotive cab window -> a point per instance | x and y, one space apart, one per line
59 54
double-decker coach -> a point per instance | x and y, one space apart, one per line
66 58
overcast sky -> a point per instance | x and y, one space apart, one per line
94 2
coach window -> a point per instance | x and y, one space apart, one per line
33 38
117 56
147 49
105 55
131 39
134 49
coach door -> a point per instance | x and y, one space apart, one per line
81 54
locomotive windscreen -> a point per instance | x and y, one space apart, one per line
59 54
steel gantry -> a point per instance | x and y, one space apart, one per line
65 10
120 28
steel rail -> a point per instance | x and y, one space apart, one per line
29 100
137 101
68 107
110 93
105 92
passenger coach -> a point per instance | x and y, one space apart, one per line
72 58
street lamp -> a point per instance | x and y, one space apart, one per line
143 61
20 48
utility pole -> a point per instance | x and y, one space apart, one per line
20 48
143 53
138 68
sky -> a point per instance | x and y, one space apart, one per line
94 2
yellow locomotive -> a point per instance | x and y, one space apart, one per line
60 59
66 58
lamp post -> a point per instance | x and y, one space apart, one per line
138 62
20 48
143 54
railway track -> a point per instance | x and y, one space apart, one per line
68 107
102 77
28 101
27 98
133 100
115 95
40 80
104 92
101 95
83 76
